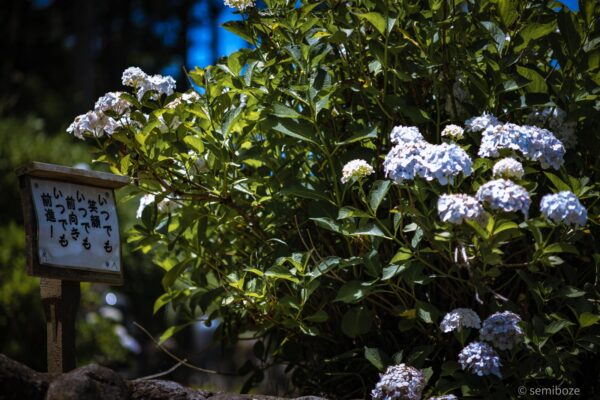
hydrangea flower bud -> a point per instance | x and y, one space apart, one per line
356 169
453 131
508 168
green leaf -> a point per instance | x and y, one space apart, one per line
283 111
402 255
587 319
370 229
279 271
351 212
508 12
392 270
195 143
558 183
537 84
307 193
377 357
427 312
357 321
293 128
328 223
377 20
377 193
319 316
365 133
353 291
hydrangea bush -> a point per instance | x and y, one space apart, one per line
365 168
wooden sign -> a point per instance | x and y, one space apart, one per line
71 223
72 235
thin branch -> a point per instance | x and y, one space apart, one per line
167 372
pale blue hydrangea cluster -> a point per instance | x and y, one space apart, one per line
565 208
504 195
481 123
142 83
502 330
458 208
460 318
508 168
481 359
533 143
399 382
414 157
405 134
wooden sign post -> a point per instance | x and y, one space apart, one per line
72 235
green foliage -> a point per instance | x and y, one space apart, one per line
340 280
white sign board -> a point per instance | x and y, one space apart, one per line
77 226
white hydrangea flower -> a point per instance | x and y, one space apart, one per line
399 382
481 123
112 101
142 82
563 207
241 5
508 168
444 397
505 195
502 330
166 205
460 318
481 359
356 169
91 122
534 143
457 208
453 131
405 134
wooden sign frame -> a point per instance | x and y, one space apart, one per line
61 173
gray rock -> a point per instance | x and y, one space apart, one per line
153 389
18 381
91 382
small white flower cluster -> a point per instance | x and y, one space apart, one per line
460 318
186 98
458 208
481 359
453 131
504 195
414 157
502 330
356 169
563 207
481 123
166 205
508 168
399 382
534 143
241 5
96 122
405 134
555 119
142 82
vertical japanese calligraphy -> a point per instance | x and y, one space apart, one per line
77 225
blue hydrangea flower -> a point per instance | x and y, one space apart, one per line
444 397
457 208
445 161
504 195
481 123
481 359
563 207
460 318
399 382
405 134
534 143
502 330
405 161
